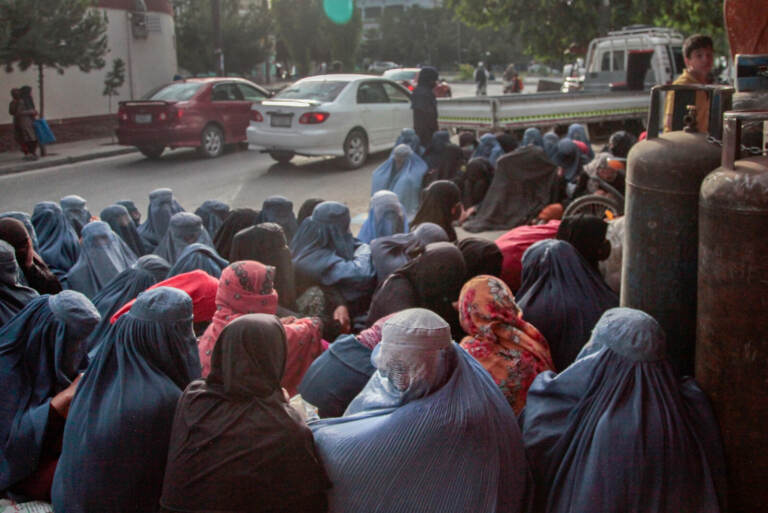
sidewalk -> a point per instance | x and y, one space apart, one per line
63 153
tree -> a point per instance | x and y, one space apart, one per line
245 36
51 34
114 80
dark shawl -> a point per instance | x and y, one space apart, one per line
424 105
434 152
41 353
562 296
103 255
439 199
184 229
587 234
119 425
130 206
620 143
236 445
76 211
524 183
618 431
162 206
26 220
508 142
266 243
59 247
237 219
198 256
481 256
279 209
118 218
147 271
307 208
34 272
432 281
391 253
475 181
13 295
213 213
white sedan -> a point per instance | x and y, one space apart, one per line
340 115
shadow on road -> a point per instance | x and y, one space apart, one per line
309 166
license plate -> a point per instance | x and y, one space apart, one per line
143 118
280 120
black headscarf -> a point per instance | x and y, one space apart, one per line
436 206
134 212
266 243
587 234
620 143
507 141
563 296
13 295
432 281
118 218
475 181
35 272
236 445
279 209
307 208
237 219
481 256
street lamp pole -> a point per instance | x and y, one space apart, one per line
218 52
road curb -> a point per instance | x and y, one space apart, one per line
61 161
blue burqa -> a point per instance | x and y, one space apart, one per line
76 211
41 353
532 136
617 431
119 219
402 173
199 256
577 132
430 432
279 210
59 246
391 253
325 252
213 213
434 152
489 148
26 220
550 141
386 216
124 287
411 138
162 206
185 229
119 426
103 255
563 296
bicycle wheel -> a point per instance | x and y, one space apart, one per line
601 206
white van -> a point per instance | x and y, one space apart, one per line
624 57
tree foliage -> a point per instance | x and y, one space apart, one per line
245 36
114 80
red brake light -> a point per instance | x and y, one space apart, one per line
313 118
256 116
410 87
179 113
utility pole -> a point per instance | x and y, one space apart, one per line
218 52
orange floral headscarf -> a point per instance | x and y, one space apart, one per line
510 349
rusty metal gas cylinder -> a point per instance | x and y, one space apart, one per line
732 334
664 174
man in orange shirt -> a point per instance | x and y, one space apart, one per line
699 58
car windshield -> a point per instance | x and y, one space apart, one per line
320 90
178 91
400 75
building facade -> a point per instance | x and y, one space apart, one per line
142 34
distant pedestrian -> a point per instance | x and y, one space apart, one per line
23 121
481 79
424 105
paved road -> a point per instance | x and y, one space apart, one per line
239 178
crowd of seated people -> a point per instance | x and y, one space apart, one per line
252 359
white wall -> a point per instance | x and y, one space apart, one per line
75 94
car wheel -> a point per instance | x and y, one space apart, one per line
152 152
283 157
355 149
212 141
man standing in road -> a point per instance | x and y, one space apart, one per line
481 79
424 105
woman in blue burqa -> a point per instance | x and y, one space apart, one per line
42 351
402 173
76 211
184 229
390 253
116 441
489 148
162 206
386 216
430 432
103 255
198 256
119 219
563 296
13 294
124 287
279 209
59 246
424 104
618 431
213 213
408 136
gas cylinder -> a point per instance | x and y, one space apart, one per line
664 174
732 334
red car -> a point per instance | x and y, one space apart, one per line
204 113
409 78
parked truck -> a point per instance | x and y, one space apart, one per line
620 69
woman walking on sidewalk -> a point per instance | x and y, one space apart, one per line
22 108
